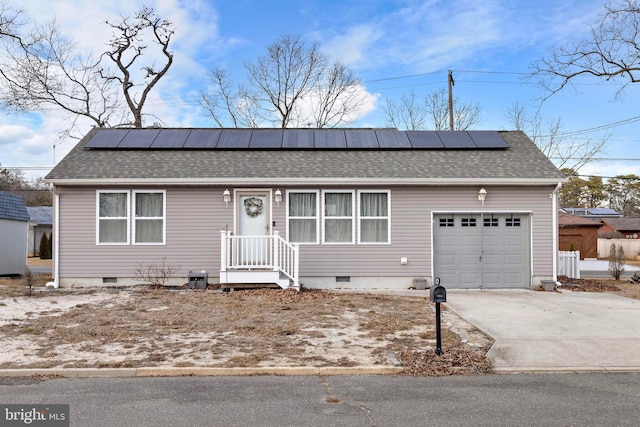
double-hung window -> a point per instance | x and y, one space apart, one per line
374 217
149 218
302 216
338 210
113 218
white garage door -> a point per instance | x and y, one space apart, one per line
482 250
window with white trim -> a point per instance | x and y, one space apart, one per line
112 217
302 216
338 217
149 217
374 217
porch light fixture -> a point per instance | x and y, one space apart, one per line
278 196
226 196
482 195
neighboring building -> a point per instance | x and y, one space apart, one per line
620 228
327 208
580 232
13 234
593 213
40 221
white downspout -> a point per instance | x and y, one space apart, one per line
56 240
554 206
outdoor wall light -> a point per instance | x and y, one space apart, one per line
278 196
482 195
226 196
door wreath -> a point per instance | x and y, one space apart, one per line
253 206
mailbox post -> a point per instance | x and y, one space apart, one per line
438 295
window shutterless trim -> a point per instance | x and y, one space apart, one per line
316 217
154 218
352 217
387 217
112 218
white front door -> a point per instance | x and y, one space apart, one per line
253 213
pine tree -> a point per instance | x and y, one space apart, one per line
44 247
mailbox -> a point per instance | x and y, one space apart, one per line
438 293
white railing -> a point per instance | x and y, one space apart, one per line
569 264
259 253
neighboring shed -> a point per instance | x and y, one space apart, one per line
579 231
13 234
41 220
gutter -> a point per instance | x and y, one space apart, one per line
554 206
56 249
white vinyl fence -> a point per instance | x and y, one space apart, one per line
568 264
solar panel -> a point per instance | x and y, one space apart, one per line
487 139
361 138
424 139
107 138
352 139
298 138
266 138
456 139
140 138
392 139
202 138
171 138
329 138
237 138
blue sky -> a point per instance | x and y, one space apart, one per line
394 46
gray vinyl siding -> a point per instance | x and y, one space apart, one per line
13 246
195 216
411 232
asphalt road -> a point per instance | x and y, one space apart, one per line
489 400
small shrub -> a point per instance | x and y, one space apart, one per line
27 279
616 261
572 247
156 274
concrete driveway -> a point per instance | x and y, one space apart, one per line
538 331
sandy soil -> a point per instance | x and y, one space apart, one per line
147 327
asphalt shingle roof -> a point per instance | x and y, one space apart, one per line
522 160
42 215
12 207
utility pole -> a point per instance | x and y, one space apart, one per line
451 83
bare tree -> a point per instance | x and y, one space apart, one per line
410 114
338 98
44 69
566 151
128 46
611 51
229 106
430 112
293 84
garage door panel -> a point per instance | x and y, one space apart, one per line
495 253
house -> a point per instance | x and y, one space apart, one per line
40 221
580 233
325 208
620 228
13 234
593 213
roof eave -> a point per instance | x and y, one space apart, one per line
304 181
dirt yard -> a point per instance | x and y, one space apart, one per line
160 327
